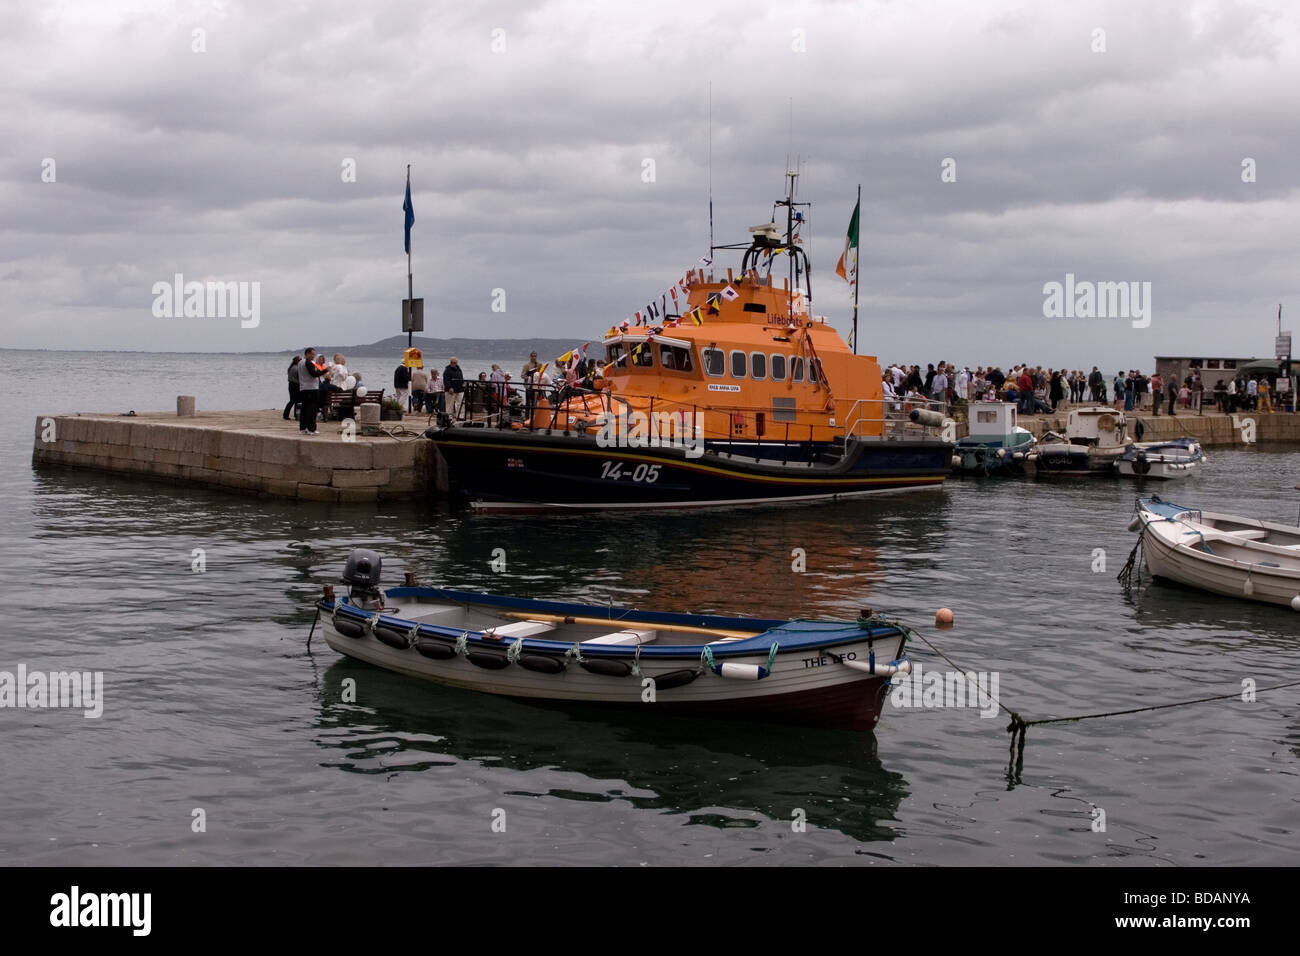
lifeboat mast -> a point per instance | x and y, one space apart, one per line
767 241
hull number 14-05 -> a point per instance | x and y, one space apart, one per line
618 471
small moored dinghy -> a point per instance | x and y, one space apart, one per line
1168 459
822 673
1222 553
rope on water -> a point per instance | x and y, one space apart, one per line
1017 722
1125 576
1018 725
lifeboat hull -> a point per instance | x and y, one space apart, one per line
528 471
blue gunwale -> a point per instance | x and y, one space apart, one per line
794 636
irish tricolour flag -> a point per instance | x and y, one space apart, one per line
847 268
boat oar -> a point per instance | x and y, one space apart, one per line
569 619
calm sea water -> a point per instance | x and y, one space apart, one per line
213 701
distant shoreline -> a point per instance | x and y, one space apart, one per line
384 347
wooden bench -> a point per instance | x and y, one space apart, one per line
344 404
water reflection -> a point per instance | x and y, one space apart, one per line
709 769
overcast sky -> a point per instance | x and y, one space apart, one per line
528 125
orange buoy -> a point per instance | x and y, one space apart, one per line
943 617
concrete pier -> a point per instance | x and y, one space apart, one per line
259 452
254 451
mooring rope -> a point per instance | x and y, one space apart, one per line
1125 576
1018 725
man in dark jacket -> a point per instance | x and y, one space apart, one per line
1095 382
401 384
453 381
310 377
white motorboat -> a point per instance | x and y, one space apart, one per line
1221 553
995 443
1094 438
1161 460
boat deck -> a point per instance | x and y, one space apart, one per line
509 625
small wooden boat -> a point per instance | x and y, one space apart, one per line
1160 460
994 443
831 674
1221 553
1094 438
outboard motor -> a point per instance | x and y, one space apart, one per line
361 574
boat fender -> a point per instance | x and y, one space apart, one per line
488 660
741 671
1140 464
349 628
1135 523
541 663
675 679
435 650
1295 603
924 416
392 637
875 669
606 667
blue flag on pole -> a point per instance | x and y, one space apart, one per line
410 214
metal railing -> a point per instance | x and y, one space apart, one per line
493 405
893 417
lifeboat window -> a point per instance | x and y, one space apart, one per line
755 307
796 369
614 352
714 364
738 362
674 358
778 367
814 370
758 365
643 355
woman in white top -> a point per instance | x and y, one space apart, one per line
339 373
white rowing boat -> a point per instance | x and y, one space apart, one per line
1222 553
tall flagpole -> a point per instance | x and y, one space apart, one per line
410 282
857 260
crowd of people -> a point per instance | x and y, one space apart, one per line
1039 390
311 378
457 397
447 393
1033 389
